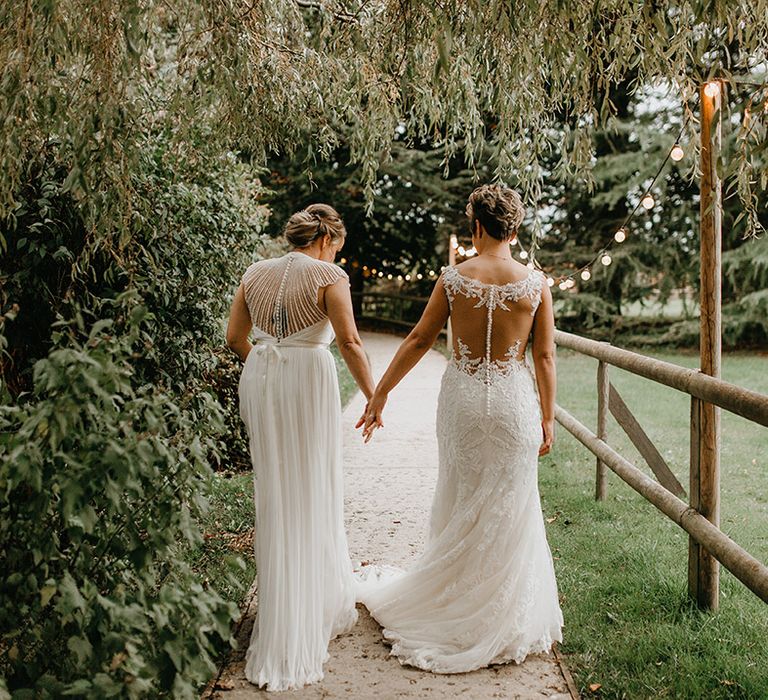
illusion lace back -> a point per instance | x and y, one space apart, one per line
484 590
289 401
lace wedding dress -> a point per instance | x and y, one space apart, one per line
289 401
484 590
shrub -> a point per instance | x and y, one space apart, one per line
100 487
109 424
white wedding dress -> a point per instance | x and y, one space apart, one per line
289 401
484 590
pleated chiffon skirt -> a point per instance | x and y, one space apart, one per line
289 401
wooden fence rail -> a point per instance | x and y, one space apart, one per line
706 539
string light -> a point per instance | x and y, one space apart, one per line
712 88
389 276
647 201
399 278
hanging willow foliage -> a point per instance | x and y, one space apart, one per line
286 74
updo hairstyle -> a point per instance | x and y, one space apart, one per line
314 222
499 210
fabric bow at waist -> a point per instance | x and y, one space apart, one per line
273 347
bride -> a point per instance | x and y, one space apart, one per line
484 590
289 401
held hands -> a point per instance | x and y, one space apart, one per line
548 436
371 418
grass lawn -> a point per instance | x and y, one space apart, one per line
621 564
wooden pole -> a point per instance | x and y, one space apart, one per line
603 389
706 569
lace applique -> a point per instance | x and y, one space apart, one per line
489 370
493 295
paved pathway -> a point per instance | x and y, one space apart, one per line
389 484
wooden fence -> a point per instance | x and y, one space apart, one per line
667 494
705 536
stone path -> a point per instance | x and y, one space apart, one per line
388 485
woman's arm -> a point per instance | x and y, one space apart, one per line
239 325
411 350
544 364
338 305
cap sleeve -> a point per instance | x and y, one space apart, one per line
325 274
248 273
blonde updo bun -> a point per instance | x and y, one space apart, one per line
498 208
314 222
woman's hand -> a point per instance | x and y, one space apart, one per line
371 418
548 436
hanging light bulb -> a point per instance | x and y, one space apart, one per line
524 254
407 278
461 250
389 276
585 275
550 282
647 201
606 260
419 276
563 286
530 266
677 152
343 261
712 88
513 241
399 278
620 236
381 274
454 241
569 283
471 252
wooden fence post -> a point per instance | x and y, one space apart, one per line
705 567
603 402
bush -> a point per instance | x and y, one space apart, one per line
101 486
109 424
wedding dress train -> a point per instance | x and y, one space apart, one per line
484 590
289 401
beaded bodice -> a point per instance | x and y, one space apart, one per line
517 301
282 293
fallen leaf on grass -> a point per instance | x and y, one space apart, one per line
223 684
594 687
